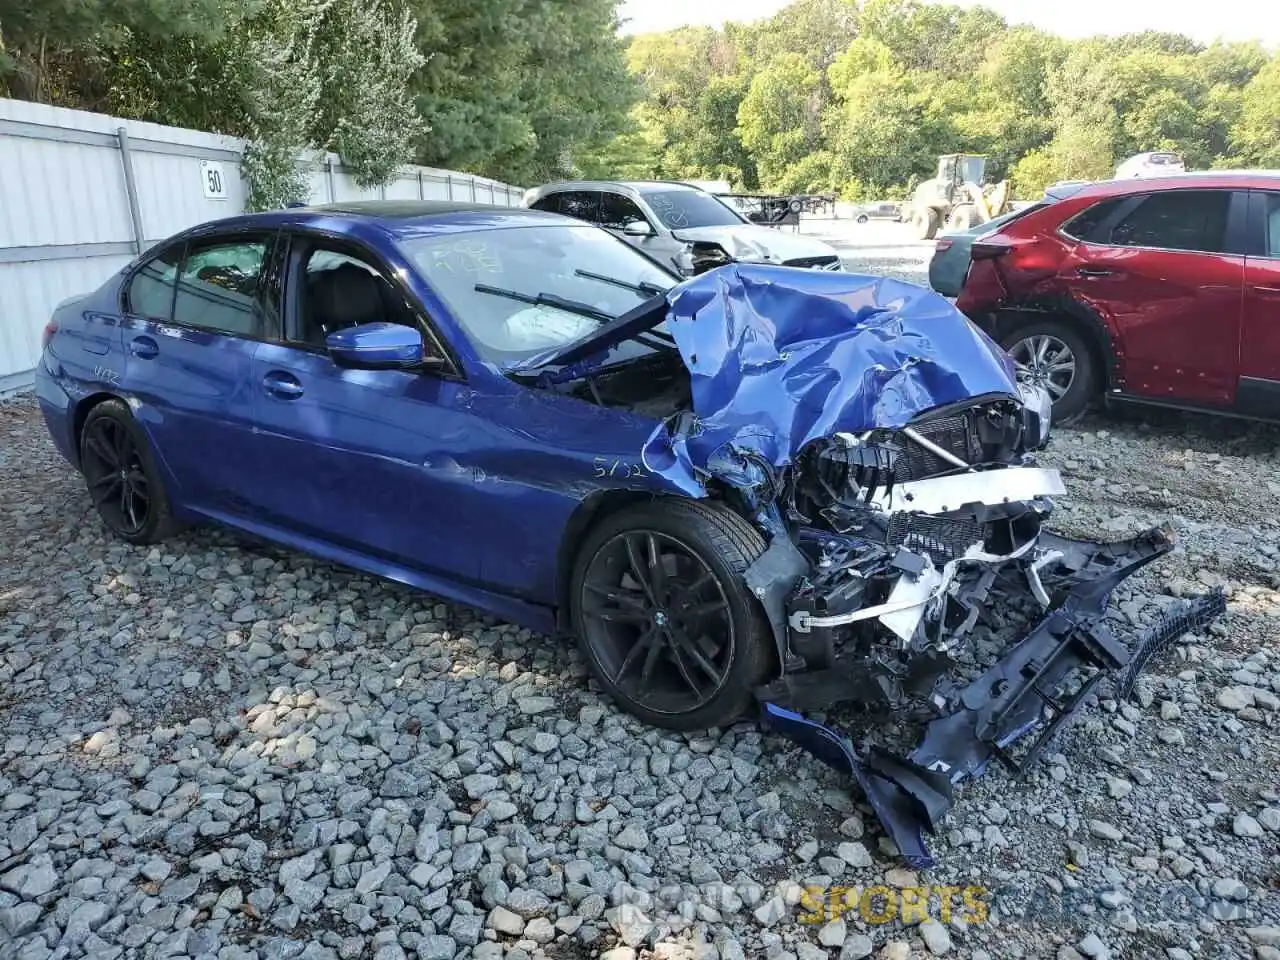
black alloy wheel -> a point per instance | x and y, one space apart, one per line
121 476
664 618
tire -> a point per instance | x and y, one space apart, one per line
963 217
121 476
925 223
862 218
1023 342
795 206
734 640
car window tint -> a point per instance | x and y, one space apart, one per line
1084 226
1177 220
1273 224
218 289
150 292
550 204
583 204
616 211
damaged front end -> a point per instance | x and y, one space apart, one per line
884 448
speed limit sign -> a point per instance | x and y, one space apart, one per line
213 180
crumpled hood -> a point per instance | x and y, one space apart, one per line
753 242
781 357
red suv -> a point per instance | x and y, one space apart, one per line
1161 291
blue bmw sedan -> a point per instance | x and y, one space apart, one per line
763 483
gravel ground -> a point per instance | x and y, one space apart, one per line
218 748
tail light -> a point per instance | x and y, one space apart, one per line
50 329
943 245
989 249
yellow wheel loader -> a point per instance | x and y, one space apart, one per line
955 199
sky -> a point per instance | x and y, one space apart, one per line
1226 19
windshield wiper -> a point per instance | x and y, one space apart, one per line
548 300
643 288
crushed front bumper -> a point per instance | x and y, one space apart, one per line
1038 684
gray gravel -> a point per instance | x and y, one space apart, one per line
218 748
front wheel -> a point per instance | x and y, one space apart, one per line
663 616
862 218
1053 355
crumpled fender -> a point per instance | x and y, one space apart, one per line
780 357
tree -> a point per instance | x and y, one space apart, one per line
779 120
1256 137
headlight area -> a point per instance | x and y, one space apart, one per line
699 256
1037 414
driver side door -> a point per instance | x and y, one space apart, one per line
363 460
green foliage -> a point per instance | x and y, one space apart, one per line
900 82
515 89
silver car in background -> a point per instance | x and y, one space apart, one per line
680 225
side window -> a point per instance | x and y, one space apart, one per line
616 211
549 204
582 204
218 288
1084 226
1272 223
1177 220
150 292
337 289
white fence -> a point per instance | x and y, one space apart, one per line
82 193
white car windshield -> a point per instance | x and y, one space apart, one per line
679 209
492 281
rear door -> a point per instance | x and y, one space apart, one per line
1259 392
193 318
579 204
1167 269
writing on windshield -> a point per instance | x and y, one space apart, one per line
679 209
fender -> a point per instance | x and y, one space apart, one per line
1089 321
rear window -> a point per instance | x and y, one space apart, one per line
1084 226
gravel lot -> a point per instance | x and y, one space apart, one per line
219 748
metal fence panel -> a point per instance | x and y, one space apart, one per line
66 222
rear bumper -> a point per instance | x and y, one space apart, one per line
1032 687
58 410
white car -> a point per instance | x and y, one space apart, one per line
1155 164
680 225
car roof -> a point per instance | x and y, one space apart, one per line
399 219
640 186
1221 179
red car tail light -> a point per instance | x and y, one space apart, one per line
989 249
50 329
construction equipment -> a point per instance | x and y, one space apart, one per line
956 198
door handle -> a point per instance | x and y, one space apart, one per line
144 348
282 385
1094 272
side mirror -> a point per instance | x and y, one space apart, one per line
637 228
376 346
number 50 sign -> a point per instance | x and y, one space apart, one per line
213 180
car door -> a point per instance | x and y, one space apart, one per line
360 459
1259 391
193 317
1167 268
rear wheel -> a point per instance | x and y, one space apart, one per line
862 218
663 617
121 475
1052 354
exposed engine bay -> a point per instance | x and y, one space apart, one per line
884 449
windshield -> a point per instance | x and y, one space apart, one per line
521 272
690 208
